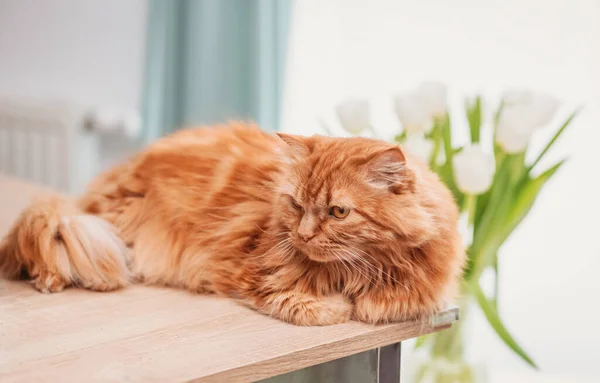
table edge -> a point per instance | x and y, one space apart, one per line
383 336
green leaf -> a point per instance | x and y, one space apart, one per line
526 197
484 199
444 172
486 235
506 207
421 341
447 137
494 320
498 192
553 140
436 137
517 167
498 152
448 170
400 137
482 202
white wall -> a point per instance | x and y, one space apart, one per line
549 287
87 51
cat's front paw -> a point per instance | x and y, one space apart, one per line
373 311
322 311
49 283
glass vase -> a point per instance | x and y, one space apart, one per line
443 358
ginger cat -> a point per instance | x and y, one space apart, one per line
310 230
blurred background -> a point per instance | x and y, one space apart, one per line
84 83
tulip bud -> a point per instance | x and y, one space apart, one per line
418 145
354 115
413 113
435 95
473 170
522 114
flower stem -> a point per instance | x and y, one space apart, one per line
496 276
470 207
437 138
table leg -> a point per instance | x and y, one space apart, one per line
388 369
379 365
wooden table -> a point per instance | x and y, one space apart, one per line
146 334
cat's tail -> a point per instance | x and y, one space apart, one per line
57 245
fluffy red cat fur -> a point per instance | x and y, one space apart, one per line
310 230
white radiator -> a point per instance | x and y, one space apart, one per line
47 143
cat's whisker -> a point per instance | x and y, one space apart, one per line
371 257
271 253
275 248
283 233
281 255
363 273
343 262
368 273
284 247
288 250
389 276
345 277
372 268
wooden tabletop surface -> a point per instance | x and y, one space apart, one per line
151 334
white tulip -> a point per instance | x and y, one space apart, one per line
413 113
540 106
418 145
473 170
545 106
435 96
522 114
514 96
354 115
515 127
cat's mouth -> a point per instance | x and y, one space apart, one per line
316 253
318 256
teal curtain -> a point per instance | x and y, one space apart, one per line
208 61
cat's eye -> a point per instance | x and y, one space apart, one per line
339 212
295 204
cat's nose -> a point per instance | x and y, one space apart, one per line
306 236
306 229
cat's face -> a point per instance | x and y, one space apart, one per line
340 198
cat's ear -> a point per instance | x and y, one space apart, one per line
298 146
387 170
